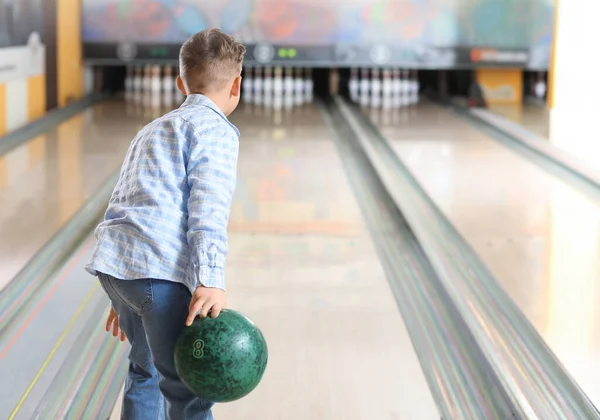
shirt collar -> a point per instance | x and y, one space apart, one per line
201 100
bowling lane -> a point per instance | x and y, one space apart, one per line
532 116
539 237
302 265
46 180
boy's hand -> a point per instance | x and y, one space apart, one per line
113 322
205 300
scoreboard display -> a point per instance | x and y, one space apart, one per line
313 33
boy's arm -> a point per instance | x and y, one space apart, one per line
211 174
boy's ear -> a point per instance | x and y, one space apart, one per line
180 86
236 88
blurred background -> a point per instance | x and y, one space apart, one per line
415 227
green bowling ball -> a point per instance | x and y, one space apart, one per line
221 359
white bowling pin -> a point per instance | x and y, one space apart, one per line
137 80
364 87
298 88
308 86
288 85
167 87
168 81
387 89
396 89
268 87
405 83
147 80
155 88
278 88
258 86
375 88
247 85
540 87
414 89
129 83
155 81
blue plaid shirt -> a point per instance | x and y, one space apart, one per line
168 214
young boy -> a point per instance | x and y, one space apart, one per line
161 249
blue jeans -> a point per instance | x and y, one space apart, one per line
152 314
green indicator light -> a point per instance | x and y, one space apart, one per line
292 52
282 52
158 52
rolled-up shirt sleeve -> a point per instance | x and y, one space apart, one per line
211 177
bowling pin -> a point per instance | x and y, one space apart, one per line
147 84
414 88
129 91
278 88
257 95
147 79
129 83
308 86
167 87
155 81
353 85
364 87
396 89
155 89
298 88
375 89
405 83
288 85
137 80
540 87
387 89
247 85
268 87
540 90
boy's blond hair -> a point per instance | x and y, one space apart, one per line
209 60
